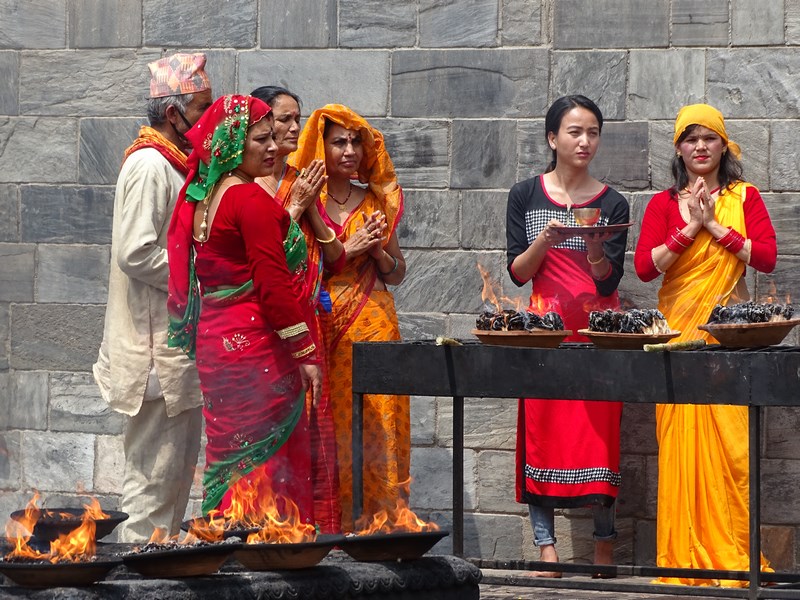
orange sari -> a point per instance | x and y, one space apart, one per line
703 488
364 314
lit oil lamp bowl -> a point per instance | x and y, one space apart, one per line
392 534
54 522
400 545
179 560
43 573
280 556
586 217
67 560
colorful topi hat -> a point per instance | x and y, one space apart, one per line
178 74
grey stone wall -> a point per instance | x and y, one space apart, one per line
460 87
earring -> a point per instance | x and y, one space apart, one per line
724 150
677 153
552 146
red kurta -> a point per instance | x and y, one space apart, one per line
567 450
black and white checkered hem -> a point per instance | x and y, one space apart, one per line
574 476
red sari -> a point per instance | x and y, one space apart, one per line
254 403
324 472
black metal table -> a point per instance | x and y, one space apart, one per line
754 378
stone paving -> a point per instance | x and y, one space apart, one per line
515 585
506 592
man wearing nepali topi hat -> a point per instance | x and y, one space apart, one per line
138 375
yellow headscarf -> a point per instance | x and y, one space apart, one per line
376 168
707 116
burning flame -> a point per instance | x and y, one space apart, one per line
488 294
74 546
517 303
490 297
771 296
94 511
212 529
160 536
400 518
772 293
541 305
277 518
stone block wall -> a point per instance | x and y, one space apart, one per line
460 88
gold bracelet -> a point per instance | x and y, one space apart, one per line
288 332
330 240
595 262
305 351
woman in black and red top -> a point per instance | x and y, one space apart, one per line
567 450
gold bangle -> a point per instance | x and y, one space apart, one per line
305 351
288 332
330 240
595 262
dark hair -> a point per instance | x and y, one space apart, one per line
730 168
327 127
268 93
556 112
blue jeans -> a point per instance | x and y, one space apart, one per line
544 528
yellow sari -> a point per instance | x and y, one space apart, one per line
703 487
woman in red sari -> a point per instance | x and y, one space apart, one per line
365 220
298 192
234 255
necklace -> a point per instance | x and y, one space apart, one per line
339 202
272 189
204 223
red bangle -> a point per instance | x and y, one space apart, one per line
673 245
303 349
682 238
733 241
608 272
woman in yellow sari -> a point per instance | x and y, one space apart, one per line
701 234
365 219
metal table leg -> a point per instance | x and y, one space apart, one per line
754 434
458 475
358 455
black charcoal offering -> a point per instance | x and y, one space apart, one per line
751 312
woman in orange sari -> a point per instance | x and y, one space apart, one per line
298 192
365 219
701 234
